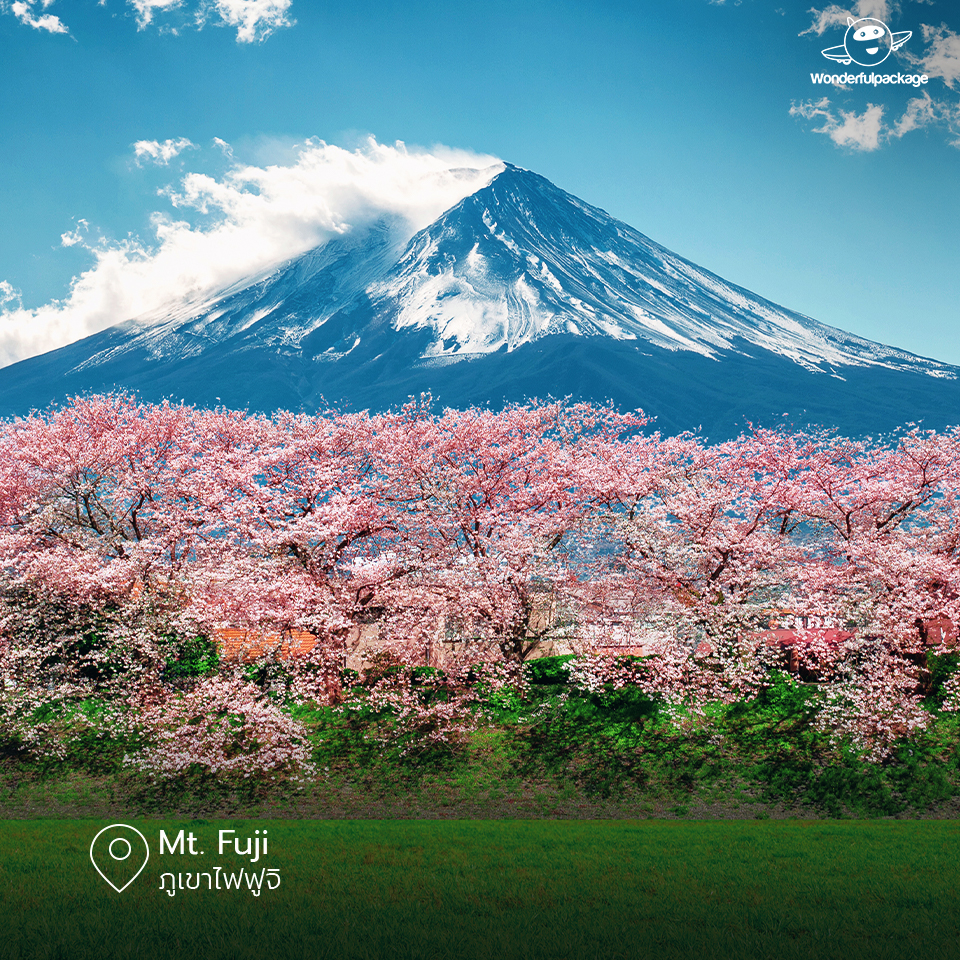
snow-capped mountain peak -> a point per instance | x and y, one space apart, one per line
518 290
520 260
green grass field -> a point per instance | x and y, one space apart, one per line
499 889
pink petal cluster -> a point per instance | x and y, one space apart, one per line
223 726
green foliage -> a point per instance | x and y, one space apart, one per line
602 745
612 742
502 705
941 667
269 673
92 736
80 641
778 747
426 675
189 658
777 723
547 670
90 647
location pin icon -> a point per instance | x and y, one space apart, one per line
119 853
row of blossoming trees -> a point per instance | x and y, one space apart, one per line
127 527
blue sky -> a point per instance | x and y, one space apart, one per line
135 130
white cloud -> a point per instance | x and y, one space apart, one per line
859 132
146 151
921 112
256 217
77 236
145 9
24 11
254 19
867 131
942 58
948 115
8 294
836 16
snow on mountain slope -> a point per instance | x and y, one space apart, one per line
275 311
520 259
515 261
519 290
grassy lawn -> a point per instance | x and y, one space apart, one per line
492 889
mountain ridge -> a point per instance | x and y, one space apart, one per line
518 290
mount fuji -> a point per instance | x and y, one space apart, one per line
520 290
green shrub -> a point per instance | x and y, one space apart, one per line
942 667
189 658
547 670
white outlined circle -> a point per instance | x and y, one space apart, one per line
868 42
115 841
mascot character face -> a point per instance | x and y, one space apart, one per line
868 41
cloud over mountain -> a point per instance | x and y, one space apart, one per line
220 231
517 290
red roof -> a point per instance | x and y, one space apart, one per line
248 645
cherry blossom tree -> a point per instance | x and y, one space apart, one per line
490 509
123 525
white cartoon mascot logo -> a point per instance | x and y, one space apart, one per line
867 42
